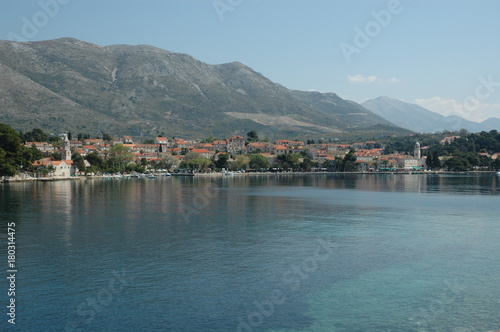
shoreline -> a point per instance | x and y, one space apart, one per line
218 174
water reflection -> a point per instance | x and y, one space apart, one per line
474 184
99 203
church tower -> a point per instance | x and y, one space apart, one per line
417 152
66 148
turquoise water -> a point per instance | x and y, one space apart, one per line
282 253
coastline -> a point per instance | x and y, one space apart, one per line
219 174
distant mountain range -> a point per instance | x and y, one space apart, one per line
421 120
68 84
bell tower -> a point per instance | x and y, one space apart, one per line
417 153
66 148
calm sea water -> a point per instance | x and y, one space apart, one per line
281 254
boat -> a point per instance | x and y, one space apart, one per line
166 174
228 173
151 177
498 173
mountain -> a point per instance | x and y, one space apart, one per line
419 119
68 84
491 124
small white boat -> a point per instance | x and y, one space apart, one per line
498 173
228 174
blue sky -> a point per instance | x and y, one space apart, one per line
441 54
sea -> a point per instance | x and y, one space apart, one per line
244 253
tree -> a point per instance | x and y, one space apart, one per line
306 165
496 164
221 162
241 162
120 157
288 161
168 162
70 137
10 150
210 139
348 164
107 137
56 155
330 165
95 160
436 163
428 161
36 135
78 161
457 164
198 164
30 155
258 161
252 137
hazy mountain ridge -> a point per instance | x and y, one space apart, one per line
68 84
416 118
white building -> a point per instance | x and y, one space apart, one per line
60 169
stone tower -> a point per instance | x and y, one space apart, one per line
66 148
417 153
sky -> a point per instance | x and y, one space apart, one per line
441 54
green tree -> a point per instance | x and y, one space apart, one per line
36 135
50 169
258 161
496 164
348 164
288 161
95 160
168 162
210 139
241 162
330 165
306 165
78 161
56 155
433 161
221 162
30 155
252 137
107 137
457 164
10 150
198 164
120 157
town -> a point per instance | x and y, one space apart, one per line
64 157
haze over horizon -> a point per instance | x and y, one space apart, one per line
440 55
